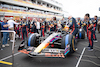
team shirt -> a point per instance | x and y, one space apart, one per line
72 23
95 23
89 22
24 24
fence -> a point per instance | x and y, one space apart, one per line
12 44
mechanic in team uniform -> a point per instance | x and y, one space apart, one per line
90 31
29 22
94 29
42 28
24 28
63 22
73 25
79 22
46 25
85 27
51 25
33 26
55 23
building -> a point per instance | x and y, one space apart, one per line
30 9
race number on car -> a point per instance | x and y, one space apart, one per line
54 50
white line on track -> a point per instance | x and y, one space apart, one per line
80 57
9 56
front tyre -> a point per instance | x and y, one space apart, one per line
68 42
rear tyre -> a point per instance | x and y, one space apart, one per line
63 43
81 34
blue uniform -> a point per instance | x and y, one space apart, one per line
43 29
52 26
73 26
90 33
94 29
24 30
85 27
55 26
79 23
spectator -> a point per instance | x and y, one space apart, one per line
0 33
18 29
38 26
5 26
11 22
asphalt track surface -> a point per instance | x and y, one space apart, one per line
81 58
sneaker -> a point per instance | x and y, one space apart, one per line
17 36
95 41
76 49
90 50
3 45
8 39
7 45
12 41
88 47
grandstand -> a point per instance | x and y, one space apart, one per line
30 9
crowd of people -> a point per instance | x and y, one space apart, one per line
23 27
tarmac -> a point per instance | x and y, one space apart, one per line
81 58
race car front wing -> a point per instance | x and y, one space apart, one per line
47 52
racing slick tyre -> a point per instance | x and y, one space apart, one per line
72 43
63 43
81 34
68 40
32 40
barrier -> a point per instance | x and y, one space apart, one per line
12 44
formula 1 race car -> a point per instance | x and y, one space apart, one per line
54 44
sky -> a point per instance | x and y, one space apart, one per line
78 8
